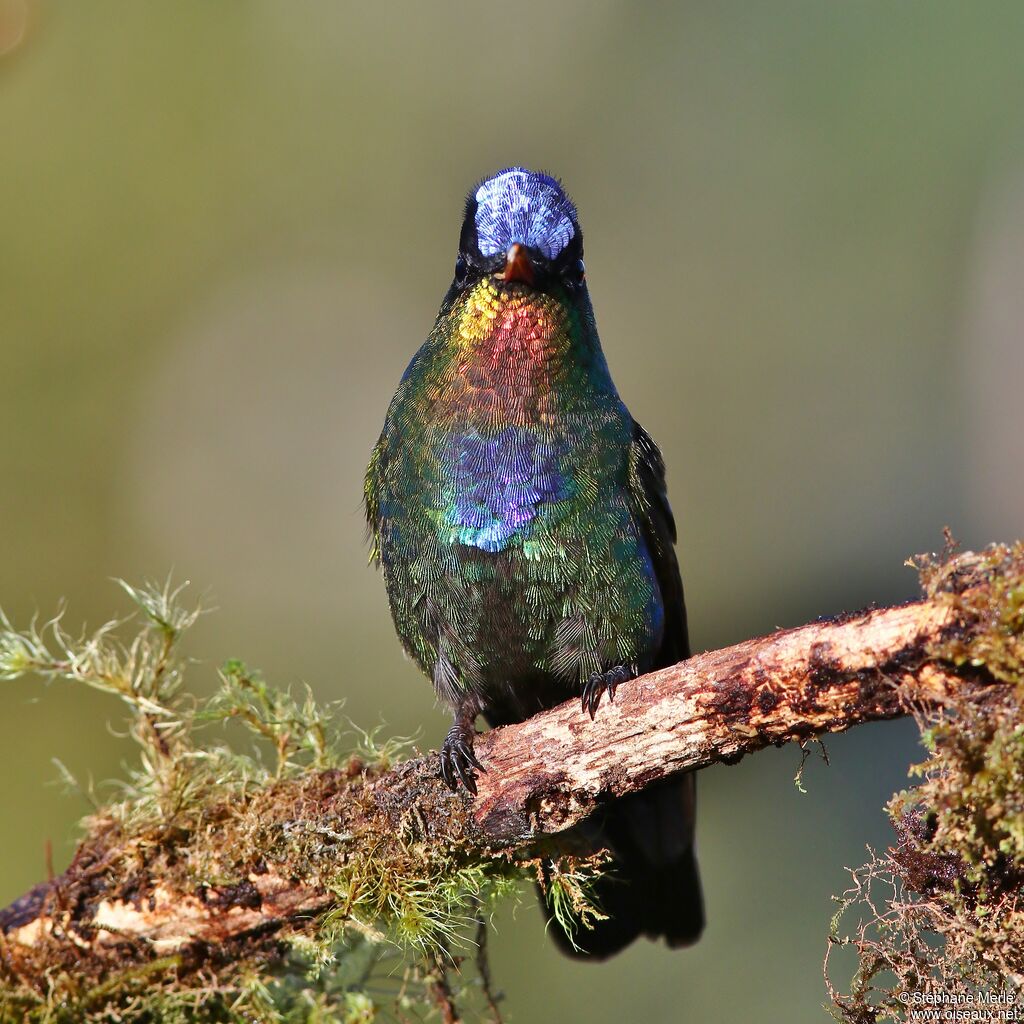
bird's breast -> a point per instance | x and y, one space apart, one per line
512 403
497 485
511 422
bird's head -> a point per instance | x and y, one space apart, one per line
520 226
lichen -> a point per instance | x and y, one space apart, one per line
939 913
398 922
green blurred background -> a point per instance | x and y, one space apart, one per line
225 228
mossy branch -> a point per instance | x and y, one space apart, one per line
215 868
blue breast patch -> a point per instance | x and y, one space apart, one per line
496 485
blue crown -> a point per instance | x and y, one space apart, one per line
517 205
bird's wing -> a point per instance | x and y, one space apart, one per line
371 498
650 499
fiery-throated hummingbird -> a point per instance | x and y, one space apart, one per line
519 514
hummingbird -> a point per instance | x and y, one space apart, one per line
520 517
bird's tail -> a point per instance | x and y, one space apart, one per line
651 887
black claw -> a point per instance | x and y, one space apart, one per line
466 773
446 772
601 683
458 760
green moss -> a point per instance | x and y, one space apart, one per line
939 910
203 815
569 891
985 590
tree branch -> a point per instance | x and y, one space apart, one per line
126 900
550 772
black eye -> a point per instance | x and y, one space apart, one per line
574 274
460 270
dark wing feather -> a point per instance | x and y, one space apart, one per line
650 496
371 498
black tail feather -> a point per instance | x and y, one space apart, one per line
652 887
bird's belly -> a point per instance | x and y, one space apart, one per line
524 626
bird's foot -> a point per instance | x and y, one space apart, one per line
458 759
601 683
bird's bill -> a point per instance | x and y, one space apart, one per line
518 266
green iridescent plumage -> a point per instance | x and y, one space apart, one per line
560 585
517 510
